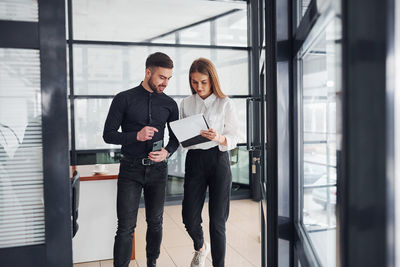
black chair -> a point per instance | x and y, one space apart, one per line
75 184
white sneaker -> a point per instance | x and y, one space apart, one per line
199 258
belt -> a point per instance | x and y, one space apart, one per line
147 162
143 161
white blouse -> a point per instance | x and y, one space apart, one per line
220 115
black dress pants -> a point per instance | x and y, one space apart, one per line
132 178
207 169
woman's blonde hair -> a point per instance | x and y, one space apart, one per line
205 66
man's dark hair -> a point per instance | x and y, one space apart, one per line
159 59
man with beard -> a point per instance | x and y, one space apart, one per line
142 113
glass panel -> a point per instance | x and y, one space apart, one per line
240 106
239 158
107 70
302 7
69 125
167 39
144 20
231 30
197 35
90 115
176 163
99 158
318 167
21 150
19 10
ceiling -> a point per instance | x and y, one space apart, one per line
138 20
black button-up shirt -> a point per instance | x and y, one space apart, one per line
134 109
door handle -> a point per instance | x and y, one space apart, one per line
249 122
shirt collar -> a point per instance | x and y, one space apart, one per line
147 92
142 88
208 101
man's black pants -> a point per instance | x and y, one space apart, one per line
132 178
207 168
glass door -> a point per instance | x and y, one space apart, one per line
318 89
317 83
35 216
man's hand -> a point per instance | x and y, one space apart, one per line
146 133
158 156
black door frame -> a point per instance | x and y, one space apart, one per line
47 36
365 188
365 212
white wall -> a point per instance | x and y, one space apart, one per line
97 221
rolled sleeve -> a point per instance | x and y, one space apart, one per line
231 128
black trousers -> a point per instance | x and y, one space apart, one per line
132 178
207 169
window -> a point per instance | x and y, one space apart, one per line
114 58
120 21
19 10
21 150
319 85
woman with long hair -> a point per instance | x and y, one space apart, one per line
207 164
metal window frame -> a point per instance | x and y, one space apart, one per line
19 34
272 131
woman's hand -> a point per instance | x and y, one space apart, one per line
213 135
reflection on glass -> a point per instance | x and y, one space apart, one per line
107 70
21 150
90 115
19 10
318 69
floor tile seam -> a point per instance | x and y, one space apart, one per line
166 251
244 257
172 219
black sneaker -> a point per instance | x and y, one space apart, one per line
151 263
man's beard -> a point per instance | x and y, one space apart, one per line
153 86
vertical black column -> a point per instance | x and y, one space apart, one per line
255 134
363 185
284 124
272 140
55 133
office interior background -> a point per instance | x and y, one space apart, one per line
316 85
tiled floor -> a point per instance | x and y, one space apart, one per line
243 231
